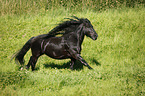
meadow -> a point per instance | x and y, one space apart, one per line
117 56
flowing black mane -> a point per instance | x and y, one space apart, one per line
67 26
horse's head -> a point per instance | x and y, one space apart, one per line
89 30
75 24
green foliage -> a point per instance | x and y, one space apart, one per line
117 56
35 6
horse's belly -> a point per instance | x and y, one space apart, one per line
56 52
57 55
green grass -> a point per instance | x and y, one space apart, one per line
118 56
18 7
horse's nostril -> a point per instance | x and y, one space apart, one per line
96 35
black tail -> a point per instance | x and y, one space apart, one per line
19 56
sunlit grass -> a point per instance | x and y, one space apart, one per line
117 56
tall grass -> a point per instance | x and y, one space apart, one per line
28 6
117 56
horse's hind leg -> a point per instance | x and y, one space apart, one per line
29 63
32 62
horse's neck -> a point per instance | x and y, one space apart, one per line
78 33
80 36
71 28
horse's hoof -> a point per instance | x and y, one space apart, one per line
22 68
90 68
26 67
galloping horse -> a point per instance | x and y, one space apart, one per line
68 45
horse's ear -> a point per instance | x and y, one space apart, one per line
75 17
69 19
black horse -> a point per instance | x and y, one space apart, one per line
68 45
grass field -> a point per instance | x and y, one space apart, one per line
118 56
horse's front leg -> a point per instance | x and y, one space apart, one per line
78 57
72 63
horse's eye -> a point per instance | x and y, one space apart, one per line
87 25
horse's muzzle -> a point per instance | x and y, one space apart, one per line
95 37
